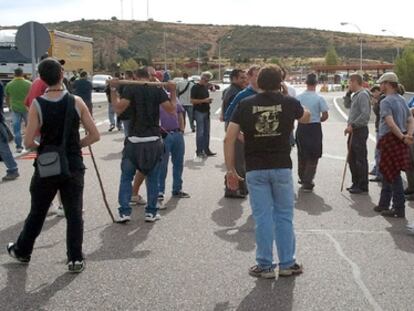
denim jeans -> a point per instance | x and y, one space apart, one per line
128 170
17 118
272 202
202 120
190 112
42 191
5 152
174 145
394 191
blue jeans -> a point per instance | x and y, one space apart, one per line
394 190
5 152
128 170
174 145
202 131
272 202
17 118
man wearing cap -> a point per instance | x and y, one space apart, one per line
395 134
309 135
16 92
357 128
201 100
83 88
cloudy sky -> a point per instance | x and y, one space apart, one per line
370 17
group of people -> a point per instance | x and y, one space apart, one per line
259 111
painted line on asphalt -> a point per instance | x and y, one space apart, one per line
218 111
356 272
334 157
345 116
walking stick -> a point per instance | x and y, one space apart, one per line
101 185
346 161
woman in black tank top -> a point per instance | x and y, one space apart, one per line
47 116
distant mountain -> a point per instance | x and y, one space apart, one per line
116 40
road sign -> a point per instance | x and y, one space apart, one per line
33 40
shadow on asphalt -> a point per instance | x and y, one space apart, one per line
192 165
242 236
363 204
11 234
399 234
311 203
130 235
267 295
229 212
15 297
112 156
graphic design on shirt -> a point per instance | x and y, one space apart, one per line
267 120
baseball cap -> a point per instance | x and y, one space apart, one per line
388 77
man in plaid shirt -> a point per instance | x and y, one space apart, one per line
395 134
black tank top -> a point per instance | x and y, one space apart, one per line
53 120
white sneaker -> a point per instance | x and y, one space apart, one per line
410 226
161 205
60 212
137 200
152 218
124 218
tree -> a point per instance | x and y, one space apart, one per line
331 57
129 64
404 68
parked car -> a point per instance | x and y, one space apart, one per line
226 75
195 78
99 82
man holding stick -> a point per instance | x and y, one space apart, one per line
357 129
143 147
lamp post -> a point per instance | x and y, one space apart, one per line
219 55
360 45
393 33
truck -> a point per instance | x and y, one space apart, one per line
76 51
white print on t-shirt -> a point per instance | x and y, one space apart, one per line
267 120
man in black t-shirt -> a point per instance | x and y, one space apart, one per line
266 119
201 100
143 146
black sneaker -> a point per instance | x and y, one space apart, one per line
181 195
292 270
394 213
111 128
408 191
258 272
210 153
76 266
380 208
12 253
358 191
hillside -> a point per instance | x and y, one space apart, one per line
142 40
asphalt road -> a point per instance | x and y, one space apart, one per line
196 257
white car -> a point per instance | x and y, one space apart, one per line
99 82
226 75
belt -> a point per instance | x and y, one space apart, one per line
173 131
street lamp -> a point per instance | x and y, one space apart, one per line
393 33
219 55
360 37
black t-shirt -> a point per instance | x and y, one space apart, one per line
267 119
199 91
144 102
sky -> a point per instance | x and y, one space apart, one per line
370 17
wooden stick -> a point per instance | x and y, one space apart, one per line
346 161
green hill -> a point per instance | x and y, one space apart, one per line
116 40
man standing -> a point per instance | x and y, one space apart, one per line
251 89
238 80
309 136
143 148
266 120
1 96
357 129
172 129
184 94
83 88
395 134
201 100
16 92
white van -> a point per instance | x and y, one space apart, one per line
226 76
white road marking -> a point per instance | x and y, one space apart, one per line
356 272
334 157
345 116
218 111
